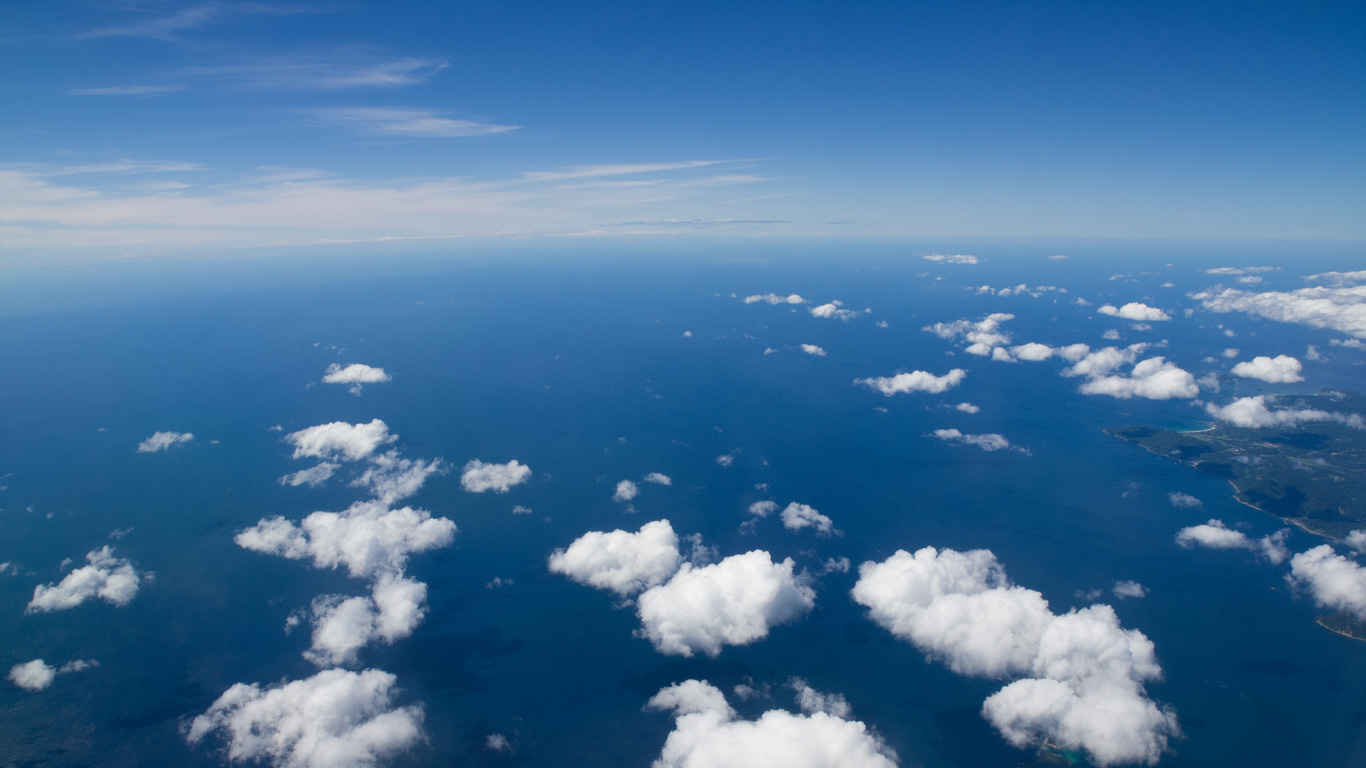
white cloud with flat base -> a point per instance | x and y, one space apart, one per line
478 477
1281 369
623 562
336 718
1136 311
915 381
340 440
1334 581
798 516
708 732
111 579
1083 675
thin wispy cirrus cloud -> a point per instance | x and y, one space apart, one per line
397 121
129 90
175 25
40 210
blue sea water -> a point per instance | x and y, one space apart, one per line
576 363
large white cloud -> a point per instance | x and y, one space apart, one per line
1083 674
478 477
334 719
1281 369
1252 413
1337 306
1154 379
915 381
709 734
733 602
623 562
339 439
798 516
1333 580
344 625
160 441
1136 311
112 579
368 538
1215 535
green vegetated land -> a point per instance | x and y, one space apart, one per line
1312 475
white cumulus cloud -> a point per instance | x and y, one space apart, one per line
1154 379
160 441
990 441
313 476
355 373
1281 369
351 442
478 477
950 258
1184 500
1136 311
658 478
1082 675
623 562
833 311
344 625
392 478
772 298
915 381
32 675
1334 581
708 732
336 718
626 490
1215 535
112 579
1339 306
798 516
1252 413
812 349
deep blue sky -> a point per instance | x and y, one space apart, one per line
137 125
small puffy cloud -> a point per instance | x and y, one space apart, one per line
342 626
798 516
1339 306
1252 413
1154 379
1184 500
113 580
725 460
763 508
1033 352
336 718
355 375
350 442
967 408
772 298
32 675
497 742
1127 589
478 477
1215 535
623 562
626 490
708 732
311 477
1082 675
1334 581
521 510
392 478
1281 369
950 258
833 311
733 602
368 538
915 381
659 478
812 349
987 442
1136 311
160 441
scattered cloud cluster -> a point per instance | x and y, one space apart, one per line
1136 311
950 258
340 440
37 674
685 608
1281 369
981 335
1215 535
987 442
1334 581
1022 289
1340 306
1252 413
708 732
111 579
334 718
1154 378
1082 675
355 375
772 298
160 441
478 477
915 381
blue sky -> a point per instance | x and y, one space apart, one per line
152 126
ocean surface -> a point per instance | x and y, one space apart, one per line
594 367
